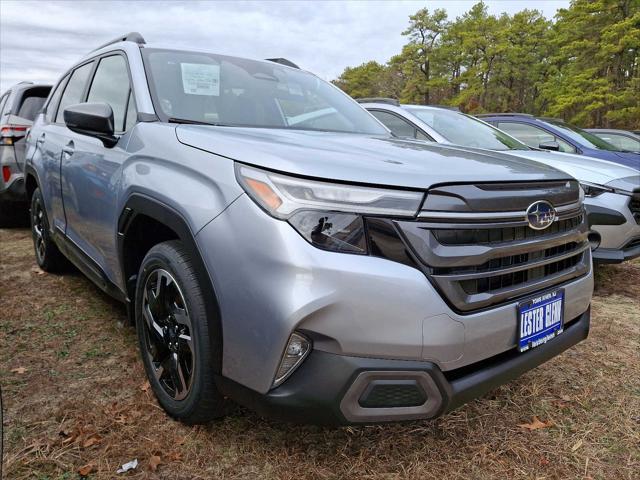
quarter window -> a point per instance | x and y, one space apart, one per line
111 85
397 125
74 91
3 102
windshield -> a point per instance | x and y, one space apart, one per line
582 137
198 87
465 130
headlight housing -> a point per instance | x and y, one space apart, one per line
328 215
593 190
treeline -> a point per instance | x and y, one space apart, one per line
583 67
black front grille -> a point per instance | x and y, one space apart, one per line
493 284
488 236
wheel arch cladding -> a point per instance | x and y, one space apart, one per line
145 222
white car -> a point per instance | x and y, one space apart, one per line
612 191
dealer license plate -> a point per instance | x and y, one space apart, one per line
540 319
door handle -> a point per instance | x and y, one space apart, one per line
40 139
68 149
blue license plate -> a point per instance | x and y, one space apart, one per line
540 319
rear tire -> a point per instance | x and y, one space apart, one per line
48 256
174 335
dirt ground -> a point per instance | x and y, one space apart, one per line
76 403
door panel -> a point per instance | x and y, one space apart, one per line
91 172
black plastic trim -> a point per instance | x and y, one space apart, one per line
597 215
139 204
315 390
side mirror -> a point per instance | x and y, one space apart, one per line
551 145
92 119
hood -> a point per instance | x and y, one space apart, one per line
357 158
581 167
629 159
629 184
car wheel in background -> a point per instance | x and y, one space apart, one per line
48 256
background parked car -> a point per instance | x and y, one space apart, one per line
623 139
613 207
18 107
554 134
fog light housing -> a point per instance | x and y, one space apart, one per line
298 347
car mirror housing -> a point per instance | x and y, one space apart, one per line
554 146
92 119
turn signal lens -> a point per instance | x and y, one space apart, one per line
297 349
264 192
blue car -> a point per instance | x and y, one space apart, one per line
554 134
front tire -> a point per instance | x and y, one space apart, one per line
48 256
174 335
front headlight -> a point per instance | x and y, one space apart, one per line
328 215
593 190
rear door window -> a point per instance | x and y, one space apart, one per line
534 136
74 92
111 86
54 99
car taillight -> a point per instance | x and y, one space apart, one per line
6 172
10 133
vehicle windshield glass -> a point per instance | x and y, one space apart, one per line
465 130
582 137
216 89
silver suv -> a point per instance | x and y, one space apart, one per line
18 107
276 245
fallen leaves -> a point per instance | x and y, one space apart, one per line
536 424
86 469
19 370
154 461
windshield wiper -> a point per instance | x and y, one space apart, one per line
188 121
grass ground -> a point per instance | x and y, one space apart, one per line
76 402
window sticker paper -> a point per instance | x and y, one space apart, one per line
201 79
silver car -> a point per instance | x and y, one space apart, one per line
276 245
18 107
612 190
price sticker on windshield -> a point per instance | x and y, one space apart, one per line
201 79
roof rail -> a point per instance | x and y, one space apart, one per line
129 37
283 61
388 101
515 114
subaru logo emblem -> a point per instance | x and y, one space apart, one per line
540 215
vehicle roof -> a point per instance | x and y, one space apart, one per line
25 86
613 130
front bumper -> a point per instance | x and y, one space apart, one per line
270 282
610 216
330 389
613 255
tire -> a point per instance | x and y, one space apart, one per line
48 257
174 335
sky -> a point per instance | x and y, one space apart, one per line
41 39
